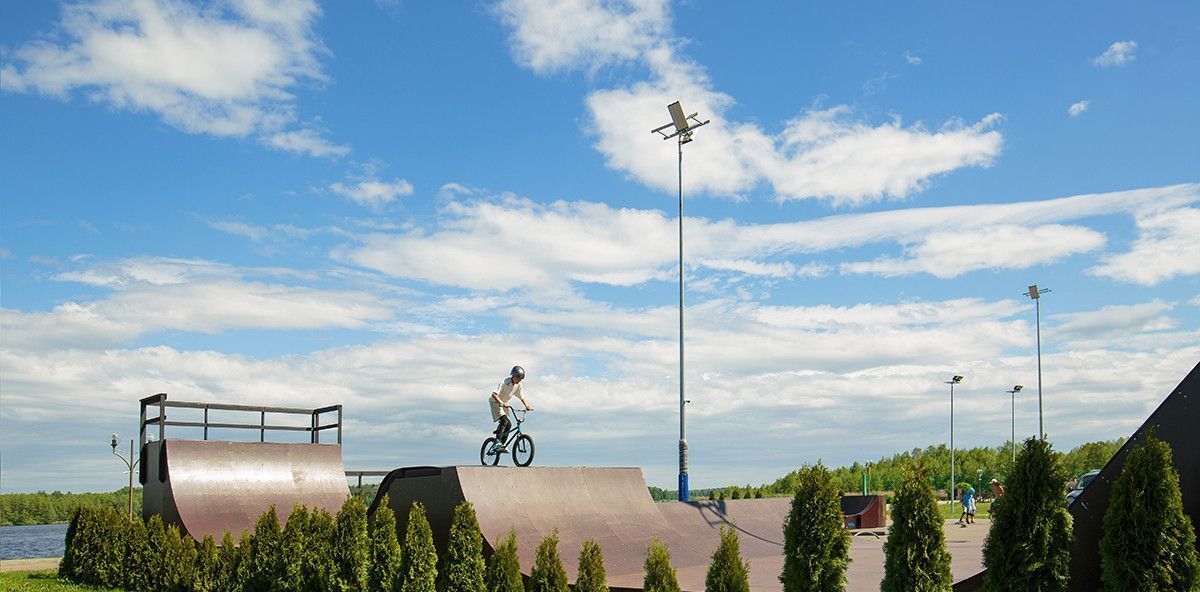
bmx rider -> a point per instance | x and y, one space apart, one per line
509 388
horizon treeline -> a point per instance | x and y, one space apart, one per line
977 466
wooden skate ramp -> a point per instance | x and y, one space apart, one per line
610 505
208 487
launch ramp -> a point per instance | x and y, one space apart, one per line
609 505
209 486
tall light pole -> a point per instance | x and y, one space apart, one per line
1035 294
953 381
684 126
130 463
1013 395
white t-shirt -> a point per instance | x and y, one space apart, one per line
506 391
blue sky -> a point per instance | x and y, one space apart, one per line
387 204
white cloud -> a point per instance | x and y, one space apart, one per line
373 193
305 141
156 294
1114 320
1168 245
951 253
225 71
1077 109
823 153
513 243
1117 54
913 60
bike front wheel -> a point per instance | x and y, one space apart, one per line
522 452
487 454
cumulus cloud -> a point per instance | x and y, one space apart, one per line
510 243
1118 54
224 71
912 59
1077 109
828 153
1166 247
373 193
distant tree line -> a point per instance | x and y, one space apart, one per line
20 509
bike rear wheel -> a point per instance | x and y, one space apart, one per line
487 454
522 451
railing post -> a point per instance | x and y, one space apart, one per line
339 409
262 426
206 422
142 426
313 434
162 418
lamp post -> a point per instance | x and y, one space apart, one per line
1035 294
684 127
130 463
1013 396
953 381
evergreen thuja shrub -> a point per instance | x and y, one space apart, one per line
419 565
245 563
1028 547
179 561
266 565
548 574
137 557
504 568
591 577
351 548
660 576
463 567
916 559
97 548
156 544
1148 542
384 574
293 548
227 565
207 566
727 572
815 545
319 567
67 567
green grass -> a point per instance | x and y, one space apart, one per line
982 510
39 581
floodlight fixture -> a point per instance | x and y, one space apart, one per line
113 443
957 379
1017 388
684 127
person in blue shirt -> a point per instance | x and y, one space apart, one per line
968 505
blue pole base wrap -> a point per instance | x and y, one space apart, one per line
683 487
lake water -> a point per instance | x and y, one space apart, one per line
31 542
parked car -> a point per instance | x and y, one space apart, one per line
1081 484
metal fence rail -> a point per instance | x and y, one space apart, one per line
160 402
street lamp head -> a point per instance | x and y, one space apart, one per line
1035 292
1017 389
113 443
957 379
677 117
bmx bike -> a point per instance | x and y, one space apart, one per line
520 443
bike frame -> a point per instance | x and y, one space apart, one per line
516 429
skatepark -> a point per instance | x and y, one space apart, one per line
209 486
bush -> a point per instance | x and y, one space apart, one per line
463 569
816 547
727 572
67 567
266 564
591 576
660 576
293 549
245 562
208 566
95 548
1029 544
1148 541
548 574
228 558
179 561
137 557
419 567
384 575
916 559
351 548
504 569
319 567
156 544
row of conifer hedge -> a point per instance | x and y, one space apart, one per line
1149 544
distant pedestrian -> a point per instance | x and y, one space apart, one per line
997 489
968 507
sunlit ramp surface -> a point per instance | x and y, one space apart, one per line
207 487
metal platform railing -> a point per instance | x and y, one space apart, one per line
160 402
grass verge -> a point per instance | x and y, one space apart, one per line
40 581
